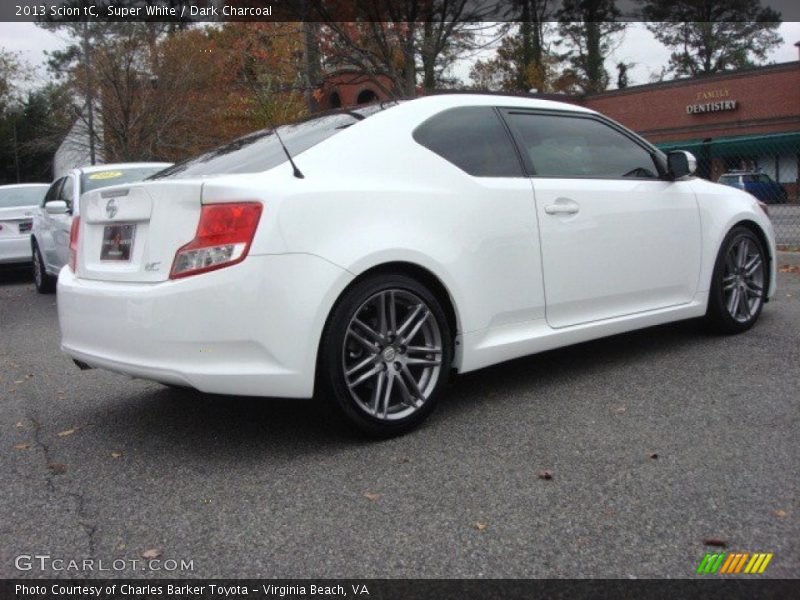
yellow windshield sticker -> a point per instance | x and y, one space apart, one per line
105 175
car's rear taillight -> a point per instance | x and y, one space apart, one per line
73 243
223 238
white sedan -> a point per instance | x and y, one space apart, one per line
49 239
398 244
17 205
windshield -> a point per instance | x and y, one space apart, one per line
114 175
21 196
261 150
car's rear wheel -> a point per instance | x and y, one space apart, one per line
739 283
385 354
44 282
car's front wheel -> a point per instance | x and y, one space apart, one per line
739 283
44 282
385 354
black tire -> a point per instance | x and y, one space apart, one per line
336 349
44 282
720 316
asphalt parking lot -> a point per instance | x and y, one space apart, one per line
657 442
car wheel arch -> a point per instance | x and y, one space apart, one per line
762 237
421 274
758 231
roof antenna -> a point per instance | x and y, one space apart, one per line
297 172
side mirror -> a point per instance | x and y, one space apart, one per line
56 207
681 163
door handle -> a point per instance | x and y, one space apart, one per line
562 208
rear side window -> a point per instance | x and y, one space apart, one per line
474 139
565 146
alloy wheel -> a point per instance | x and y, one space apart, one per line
392 354
743 280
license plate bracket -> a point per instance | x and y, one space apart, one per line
117 242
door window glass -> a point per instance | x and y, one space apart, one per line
53 192
564 146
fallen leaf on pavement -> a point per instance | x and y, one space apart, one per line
620 410
404 460
67 432
789 269
58 468
654 455
715 542
480 526
116 454
19 425
21 446
545 474
152 553
779 513
371 497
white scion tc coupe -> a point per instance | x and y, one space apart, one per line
400 243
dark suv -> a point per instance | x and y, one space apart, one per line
758 184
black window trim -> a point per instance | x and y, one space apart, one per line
529 168
58 184
521 164
73 180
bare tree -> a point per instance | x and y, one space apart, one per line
394 41
710 36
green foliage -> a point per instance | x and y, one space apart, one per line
591 34
30 134
711 36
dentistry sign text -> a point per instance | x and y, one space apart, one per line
712 101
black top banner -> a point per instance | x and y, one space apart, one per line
388 10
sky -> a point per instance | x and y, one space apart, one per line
638 46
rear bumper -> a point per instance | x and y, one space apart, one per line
252 329
16 249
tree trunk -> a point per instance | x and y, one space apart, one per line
428 58
594 58
409 64
312 65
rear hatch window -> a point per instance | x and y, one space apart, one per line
261 150
113 176
22 196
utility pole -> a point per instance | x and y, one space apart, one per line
89 100
16 152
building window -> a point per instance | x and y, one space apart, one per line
366 96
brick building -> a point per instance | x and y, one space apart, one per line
748 119
351 87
